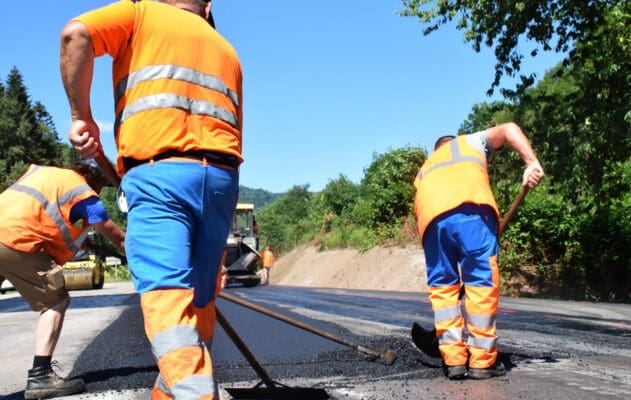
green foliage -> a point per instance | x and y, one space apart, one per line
27 133
344 214
386 190
108 196
339 196
258 197
285 223
117 274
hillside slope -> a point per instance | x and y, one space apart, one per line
381 268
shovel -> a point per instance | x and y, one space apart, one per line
426 339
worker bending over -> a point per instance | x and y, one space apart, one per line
44 220
458 222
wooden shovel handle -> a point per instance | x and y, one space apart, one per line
108 169
513 208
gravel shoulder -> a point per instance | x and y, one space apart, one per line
381 268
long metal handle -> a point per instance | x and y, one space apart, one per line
262 373
387 355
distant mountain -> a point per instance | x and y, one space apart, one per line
259 197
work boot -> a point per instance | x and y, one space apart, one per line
456 372
44 383
486 373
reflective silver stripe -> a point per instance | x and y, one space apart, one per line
447 313
481 321
419 174
174 338
162 385
52 209
450 336
81 238
167 100
482 343
194 387
35 168
175 72
456 158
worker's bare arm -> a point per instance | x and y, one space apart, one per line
77 67
512 134
112 232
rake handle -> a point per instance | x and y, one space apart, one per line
388 355
243 348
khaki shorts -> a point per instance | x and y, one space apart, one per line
35 276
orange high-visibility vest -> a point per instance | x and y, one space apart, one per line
268 259
454 174
171 92
35 212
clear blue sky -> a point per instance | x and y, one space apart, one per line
327 83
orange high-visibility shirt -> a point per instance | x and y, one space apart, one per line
454 174
36 212
268 259
177 82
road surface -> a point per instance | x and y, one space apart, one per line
553 349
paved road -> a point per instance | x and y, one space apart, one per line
554 349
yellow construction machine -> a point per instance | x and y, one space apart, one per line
242 247
86 270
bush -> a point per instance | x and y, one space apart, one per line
117 274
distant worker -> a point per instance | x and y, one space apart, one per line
458 222
267 264
44 220
177 87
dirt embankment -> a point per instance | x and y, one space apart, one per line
381 268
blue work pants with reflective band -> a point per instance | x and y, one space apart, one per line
178 221
465 236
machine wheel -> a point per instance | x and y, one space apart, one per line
98 278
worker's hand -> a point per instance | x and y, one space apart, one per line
533 175
84 135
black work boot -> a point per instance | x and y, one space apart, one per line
494 371
44 383
456 372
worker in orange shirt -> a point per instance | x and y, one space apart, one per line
267 264
458 222
44 221
178 102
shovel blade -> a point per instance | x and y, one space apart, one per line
278 393
425 340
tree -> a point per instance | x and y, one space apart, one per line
386 190
27 133
284 223
339 196
501 24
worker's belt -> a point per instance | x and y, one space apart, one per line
211 157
